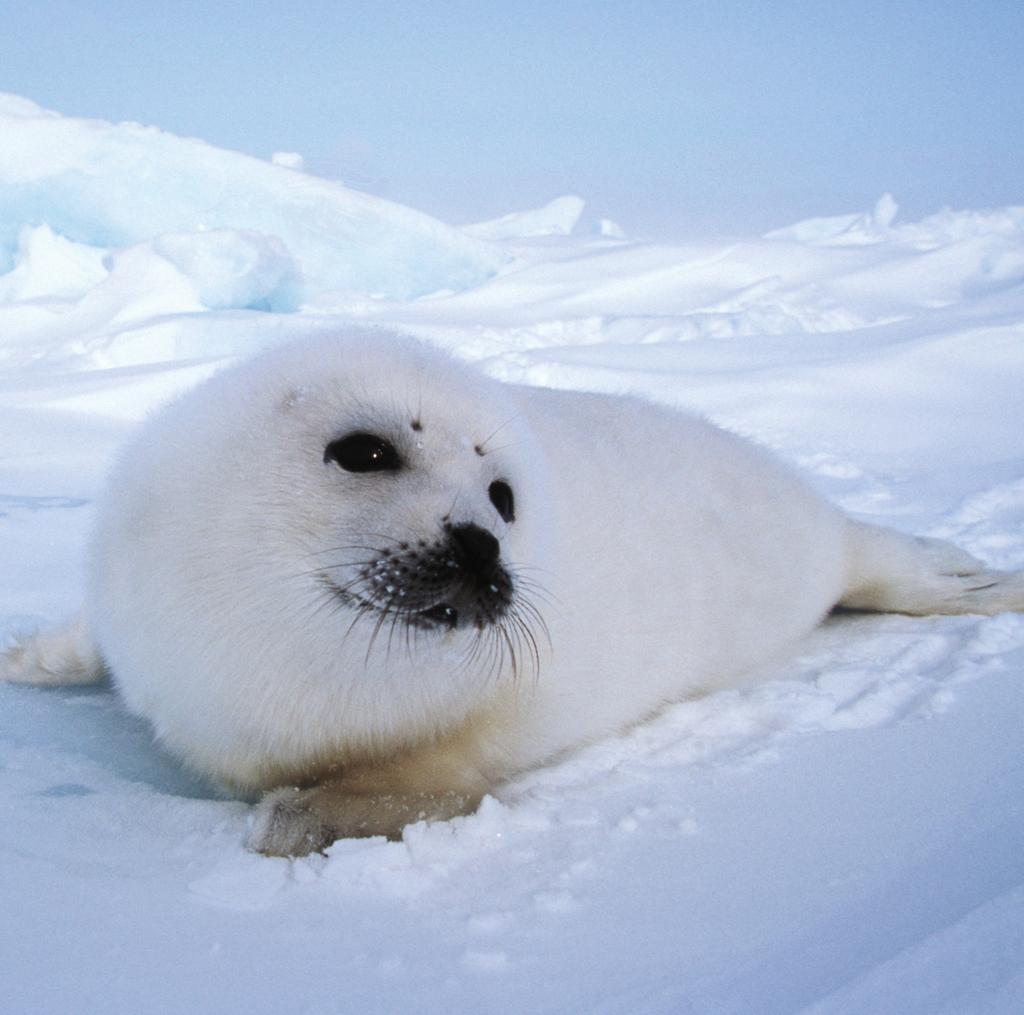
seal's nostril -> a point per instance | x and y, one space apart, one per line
477 548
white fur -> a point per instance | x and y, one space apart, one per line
666 557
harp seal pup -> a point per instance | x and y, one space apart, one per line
364 579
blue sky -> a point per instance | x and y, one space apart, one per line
674 118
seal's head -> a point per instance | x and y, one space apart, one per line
413 480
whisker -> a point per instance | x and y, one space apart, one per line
330 567
482 445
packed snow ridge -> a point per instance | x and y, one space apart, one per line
114 185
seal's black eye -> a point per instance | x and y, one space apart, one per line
501 497
363 452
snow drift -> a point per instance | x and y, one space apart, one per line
280 233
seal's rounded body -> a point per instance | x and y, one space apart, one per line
664 557
359 569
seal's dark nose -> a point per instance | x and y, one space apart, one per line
477 549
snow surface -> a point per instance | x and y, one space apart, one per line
557 218
846 836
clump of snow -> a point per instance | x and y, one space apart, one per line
234 268
556 218
290 160
610 228
843 836
48 266
17 105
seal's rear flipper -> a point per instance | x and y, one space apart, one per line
64 655
890 572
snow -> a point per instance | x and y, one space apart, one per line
556 218
870 227
111 185
290 160
841 837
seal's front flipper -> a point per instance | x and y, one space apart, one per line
429 784
890 572
296 822
63 655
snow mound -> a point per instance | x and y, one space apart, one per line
557 218
845 230
233 268
876 227
116 185
47 265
